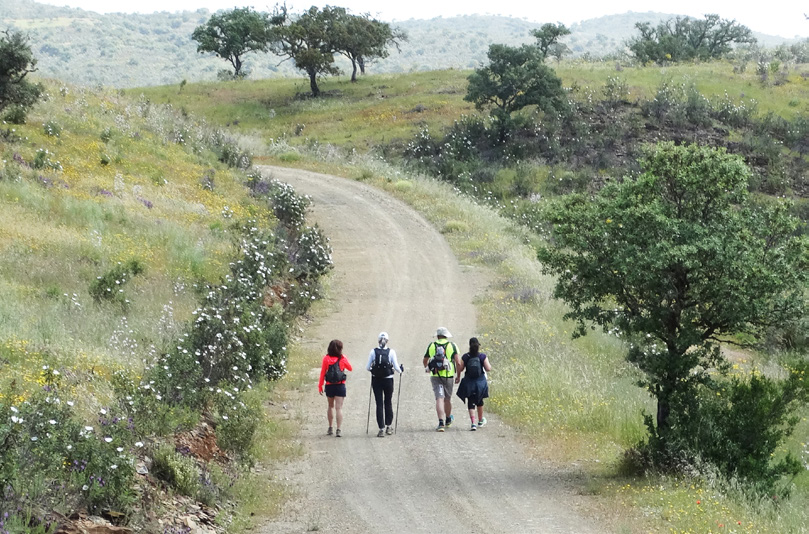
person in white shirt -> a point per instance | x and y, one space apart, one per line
382 364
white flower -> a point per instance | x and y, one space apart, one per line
88 428
120 449
108 439
70 403
52 422
103 411
34 438
85 487
225 417
113 466
13 409
15 419
70 447
139 444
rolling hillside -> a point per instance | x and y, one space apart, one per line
132 50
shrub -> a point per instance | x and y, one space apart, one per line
52 128
42 160
738 426
180 472
287 205
232 155
110 286
239 416
311 258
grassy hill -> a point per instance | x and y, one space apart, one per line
122 226
130 50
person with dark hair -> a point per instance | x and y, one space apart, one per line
332 373
382 363
474 387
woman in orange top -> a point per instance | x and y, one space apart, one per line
336 390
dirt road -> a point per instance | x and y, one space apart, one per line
394 272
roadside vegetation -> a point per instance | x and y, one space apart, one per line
150 279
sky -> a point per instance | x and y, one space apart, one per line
774 17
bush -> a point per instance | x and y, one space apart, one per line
48 453
180 472
110 286
311 257
287 205
738 426
238 417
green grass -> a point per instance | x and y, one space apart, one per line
390 109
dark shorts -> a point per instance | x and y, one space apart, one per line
335 390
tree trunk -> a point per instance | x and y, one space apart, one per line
354 70
313 83
361 61
237 66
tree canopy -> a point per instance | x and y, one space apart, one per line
516 77
309 40
363 39
232 34
686 38
676 260
548 36
16 62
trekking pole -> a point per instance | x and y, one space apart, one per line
398 396
368 420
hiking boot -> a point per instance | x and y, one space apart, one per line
337 434
440 427
450 419
330 431
388 431
473 427
381 433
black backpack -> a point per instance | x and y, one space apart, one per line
382 366
474 368
333 374
440 361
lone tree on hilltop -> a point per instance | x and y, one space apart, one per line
362 39
677 260
548 36
515 77
686 38
232 34
17 61
309 40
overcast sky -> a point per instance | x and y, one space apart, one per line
775 17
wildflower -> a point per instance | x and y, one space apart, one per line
139 444
108 439
52 422
88 428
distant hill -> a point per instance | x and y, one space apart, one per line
132 50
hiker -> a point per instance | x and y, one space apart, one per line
332 372
440 360
382 363
474 387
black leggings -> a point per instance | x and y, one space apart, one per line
383 387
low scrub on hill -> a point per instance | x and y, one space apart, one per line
150 277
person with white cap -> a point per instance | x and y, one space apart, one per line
440 360
382 363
